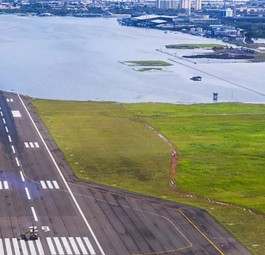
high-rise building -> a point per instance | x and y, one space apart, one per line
167 4
197 4
184 4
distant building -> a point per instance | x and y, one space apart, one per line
184 4
228 12
197 4
167 4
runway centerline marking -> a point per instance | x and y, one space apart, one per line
63 179
22 176
13 149
9 138
4 121
18 164
34 214
6 129
27 192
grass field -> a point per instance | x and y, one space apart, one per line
220 153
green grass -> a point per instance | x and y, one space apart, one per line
147 63
220 152
220 149
193 46
149 69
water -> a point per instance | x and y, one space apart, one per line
79 59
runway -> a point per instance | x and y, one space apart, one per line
38 189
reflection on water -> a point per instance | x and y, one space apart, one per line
79 59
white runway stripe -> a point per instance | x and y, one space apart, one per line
51 247
32 248
17 162
39 246
89 246
6 185
31 145
34 214
9 138
6 129
55 184
81 245
8 246
67 246
27 192
22 176
13 149
24 247
1 247
43 184
58 245
74 246
2 114
49 184
16 247
4 121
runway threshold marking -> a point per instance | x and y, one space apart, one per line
39 246
24 247
63 179
1 247
58 245
66 246
81 245
215 247
91 250
8 246
51 247
16 247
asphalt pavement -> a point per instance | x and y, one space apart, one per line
40 196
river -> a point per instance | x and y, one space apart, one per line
80 59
